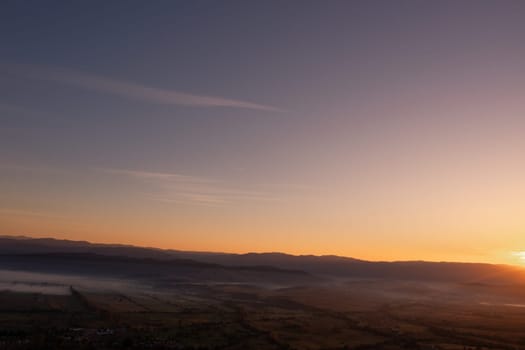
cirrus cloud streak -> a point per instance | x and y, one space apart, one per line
126 89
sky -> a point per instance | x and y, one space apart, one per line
381 130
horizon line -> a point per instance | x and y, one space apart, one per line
24 237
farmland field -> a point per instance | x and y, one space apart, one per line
349 315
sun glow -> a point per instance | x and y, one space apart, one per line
520 255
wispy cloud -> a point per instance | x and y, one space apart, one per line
127 89
29 168
20 212
180 188
148 175
195 198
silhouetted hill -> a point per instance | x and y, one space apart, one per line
188 264
152 270
21 244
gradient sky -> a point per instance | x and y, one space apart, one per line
383 130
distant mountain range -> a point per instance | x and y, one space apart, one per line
80 257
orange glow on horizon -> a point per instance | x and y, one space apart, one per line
215 240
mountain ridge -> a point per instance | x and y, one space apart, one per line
247 254
333 267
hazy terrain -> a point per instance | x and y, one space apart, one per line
75 295
52 250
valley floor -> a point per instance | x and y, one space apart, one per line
348 316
